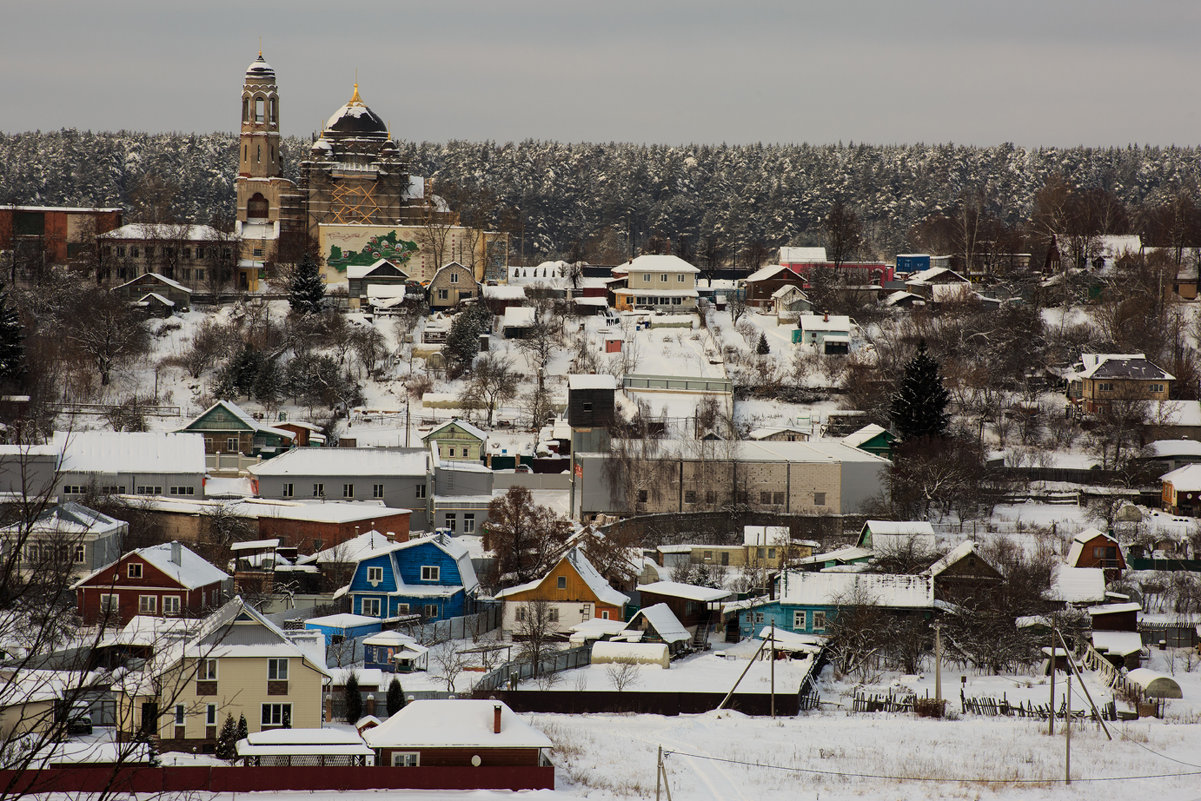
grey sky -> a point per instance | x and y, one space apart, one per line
1034 72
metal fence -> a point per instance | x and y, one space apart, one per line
512 673
459 628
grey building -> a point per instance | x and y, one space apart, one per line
69 536
397 476
28 471
462 492
130 463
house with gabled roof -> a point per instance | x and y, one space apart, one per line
889 535
1181 490
872 438
829 333
574 591
68 539
663 282
962 574
429 576
168 580
1076 586
657 623
129 462
226 428
458 439
234 663
361 278
171 291
451 285
1094 548
1101 379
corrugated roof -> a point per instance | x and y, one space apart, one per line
345 462
109 452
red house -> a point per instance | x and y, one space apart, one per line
1095 548
165 580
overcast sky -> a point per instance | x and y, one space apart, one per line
1033 72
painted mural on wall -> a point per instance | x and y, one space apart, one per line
380 246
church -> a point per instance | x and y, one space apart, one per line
356 201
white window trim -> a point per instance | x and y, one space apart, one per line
431 573
404 757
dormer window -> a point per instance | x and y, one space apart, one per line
430 572
134 570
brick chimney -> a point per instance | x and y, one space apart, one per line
177 553
496 719
826 317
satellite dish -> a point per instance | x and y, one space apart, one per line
476 761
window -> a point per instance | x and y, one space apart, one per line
561 582
725 557
605 614
819 499
370 607
443 294
758 617
765 497
450 520
771 553
431 610
134 570
179 714
289 490
133 252
689 496
375 575
819 621
1156 388
552 614
147 604
78 556
348 490
708 556
377 490
277 715
207 671
170 604
798 621
642 495
468 523
761 553
454 278
318 490
405 759
109 602
680 278
74 489
277 669
402 609
710 496
430 572
420 491
451 453
231 444
777 498
148 489
187 253
183 490
520 614
663 278
677 301
1104 387
210 715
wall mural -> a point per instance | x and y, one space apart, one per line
383 246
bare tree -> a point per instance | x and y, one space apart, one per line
623 672
537 623
526 537
493 382
106 332
450 661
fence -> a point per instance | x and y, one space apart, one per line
985 705
222 779
876 702
153 409
649 702
459 628
516 671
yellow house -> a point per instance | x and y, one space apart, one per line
571 592
664 283
458 440
236 663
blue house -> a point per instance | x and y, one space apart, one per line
807 603
430 576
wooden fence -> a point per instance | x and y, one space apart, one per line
883 702
985 705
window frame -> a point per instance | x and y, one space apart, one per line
375 607
274 665
133 570
207 670
170 601
800 620
431 572
407 759
284 708
147 604
375 574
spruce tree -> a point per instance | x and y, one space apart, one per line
354 701
307 291
227 740
919 406
243 729
396 697
763 348
12 345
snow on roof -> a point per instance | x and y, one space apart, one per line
587 573
769 431
389 638
690 592
474 431
158 277
663 621
952 556
765 535
581 381
824 322
806 255
504 292
74 519
148 630
518 317
1133 366
857 438
362 271
222 487
1082 539
449 546
876 589
659 264
1076 585
110 452
304 742
343 620
255 545
908 528
931 274
640 653
594 628
788 289
192 571
166 232
1184 479
345 462
791 641
1170 448
847 553
1114 609
1155 684
451 723
893 298
770 270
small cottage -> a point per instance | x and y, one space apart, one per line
457 732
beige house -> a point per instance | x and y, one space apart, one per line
451 285
1101 379
235 663
665 283
458 440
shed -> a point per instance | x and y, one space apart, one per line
295 747
657 623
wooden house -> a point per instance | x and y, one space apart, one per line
457 732
691 605
451 285
1095 548
228 429
890 535
657 624
168 580
872 438
591 401
431 576
458 439
962 575
171 291
1101 379
304 435
573 591
361 278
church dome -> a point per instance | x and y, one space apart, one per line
259 69
356 118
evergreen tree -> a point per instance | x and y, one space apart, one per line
354 701
307 292
243 729
763 348
227 740
463 338
919 406
12 346
396 697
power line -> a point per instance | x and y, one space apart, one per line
940 779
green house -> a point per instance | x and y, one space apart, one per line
872 438
458 440
228 429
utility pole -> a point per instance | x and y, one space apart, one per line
1051 717
1067 736
938 666
773 671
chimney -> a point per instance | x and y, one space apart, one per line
826 317
177 553
496 719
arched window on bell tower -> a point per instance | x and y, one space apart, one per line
275 110
258 109
245 109
256 207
